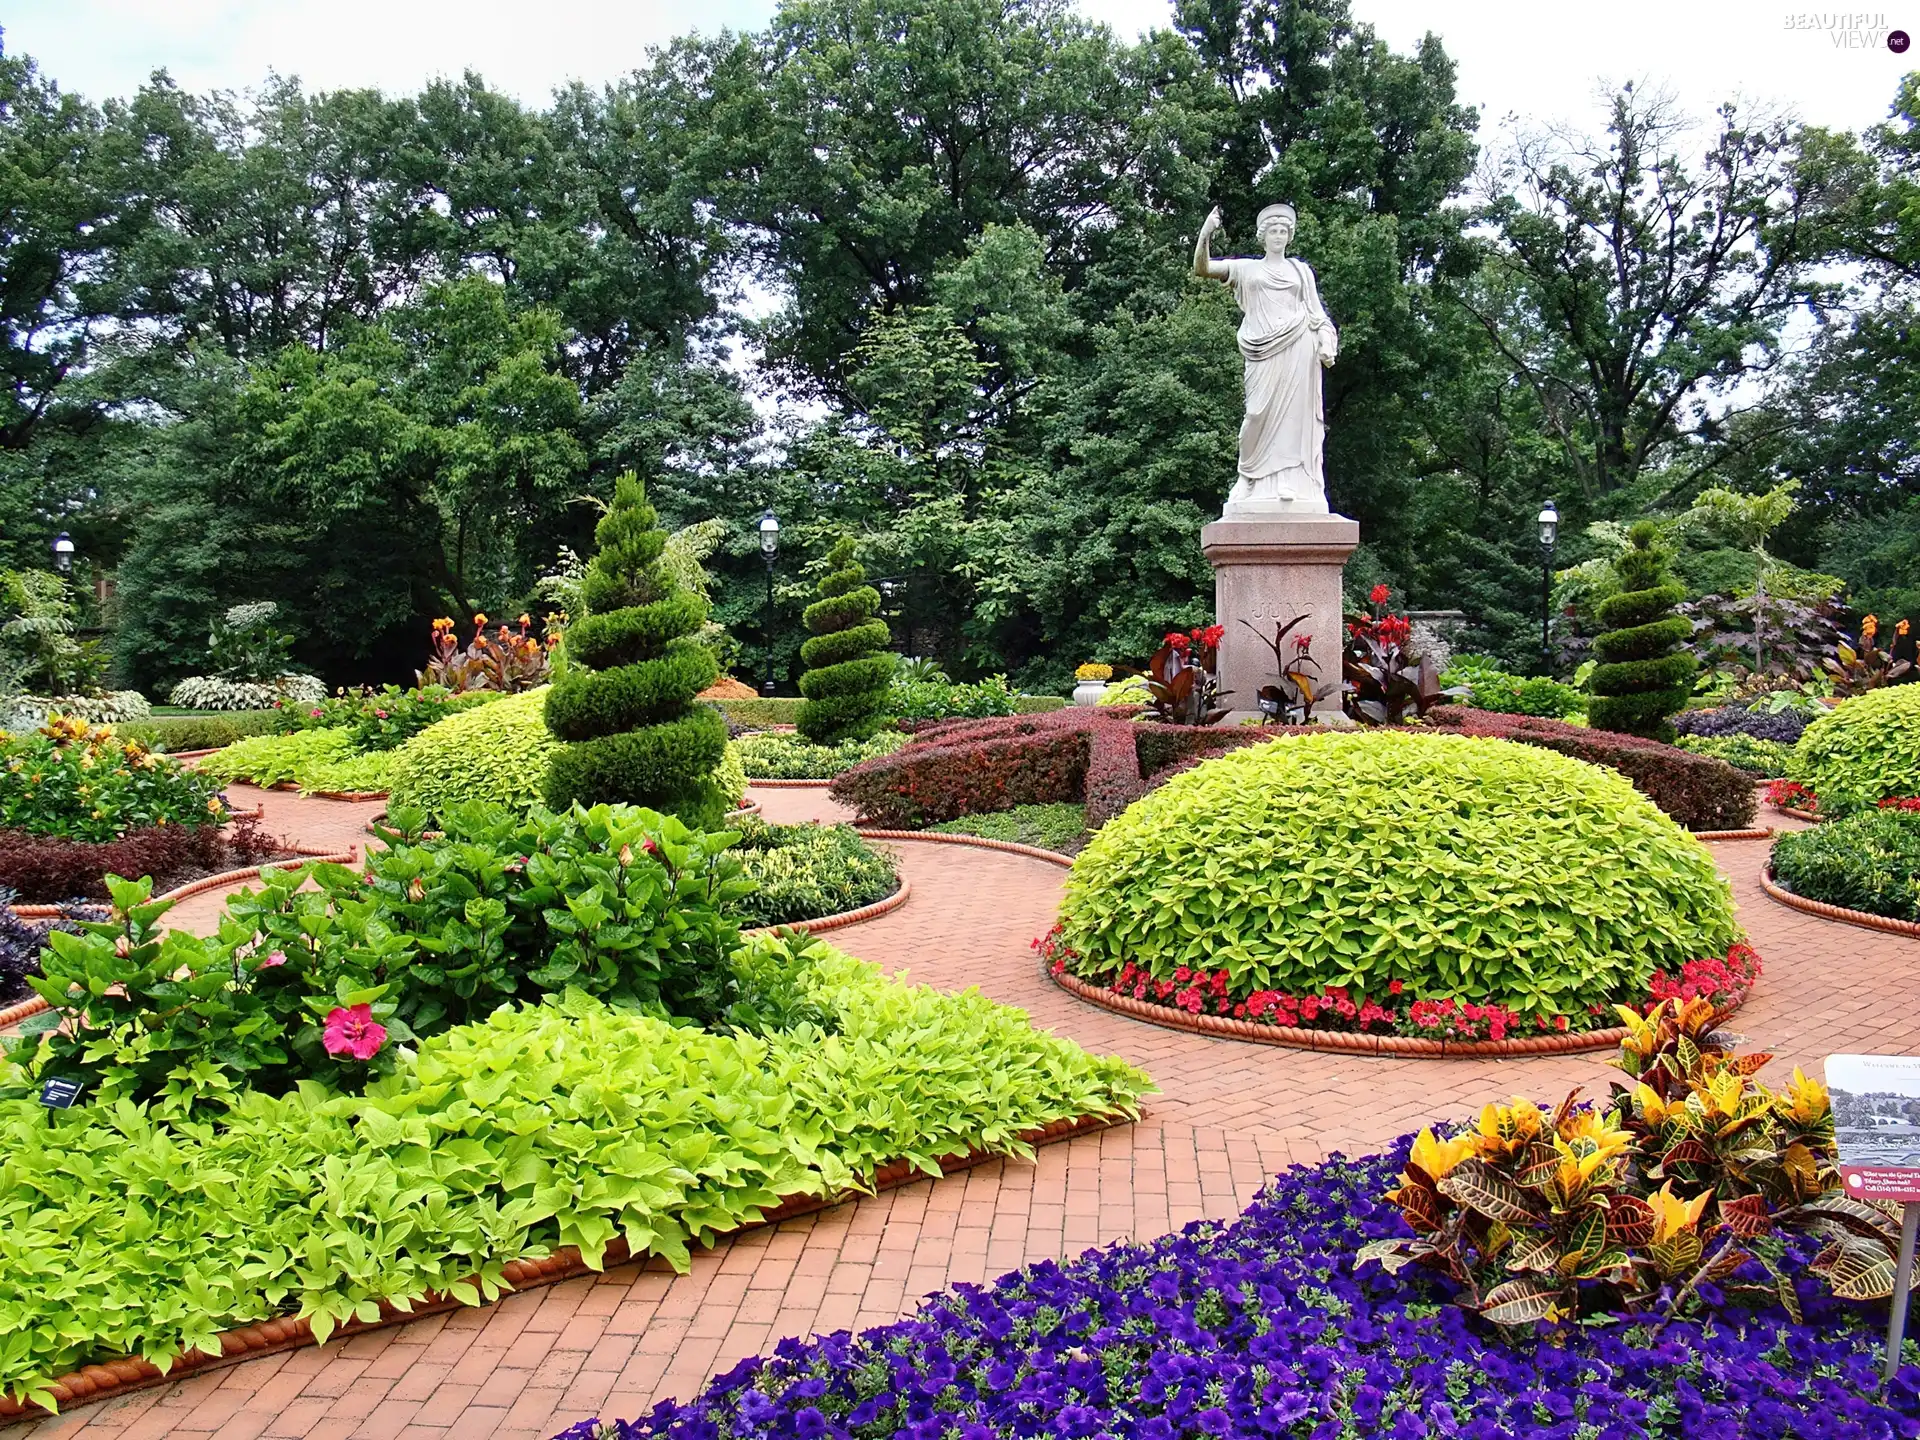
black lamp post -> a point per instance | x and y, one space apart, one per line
769 547
63 552
1549 535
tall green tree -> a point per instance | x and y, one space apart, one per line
408 470
1653 280
865 144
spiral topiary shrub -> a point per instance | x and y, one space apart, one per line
625 709
1643 677
849 669
1423 866
1862 751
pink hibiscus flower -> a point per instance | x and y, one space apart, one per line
352 1030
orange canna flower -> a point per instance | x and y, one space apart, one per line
1869 627
479 620
1902 628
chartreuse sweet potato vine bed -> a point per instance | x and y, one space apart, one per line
1400 883
564 1123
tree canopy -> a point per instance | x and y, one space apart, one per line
916 271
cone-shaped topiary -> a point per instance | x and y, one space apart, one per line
1643 676
849 669
625 705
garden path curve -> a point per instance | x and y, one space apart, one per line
1228 1115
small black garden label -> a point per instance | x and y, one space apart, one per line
58 1094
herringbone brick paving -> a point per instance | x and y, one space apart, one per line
1228 1115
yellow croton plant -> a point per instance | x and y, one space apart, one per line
1681 1177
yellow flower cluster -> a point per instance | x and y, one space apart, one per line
1092 671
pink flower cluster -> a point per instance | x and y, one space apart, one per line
1724 982
1452 1019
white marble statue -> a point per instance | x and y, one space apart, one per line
1286 338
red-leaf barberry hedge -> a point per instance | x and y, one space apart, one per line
972 767
1698 791
48 868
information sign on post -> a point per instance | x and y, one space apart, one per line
1876 1128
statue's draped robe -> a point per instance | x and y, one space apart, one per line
1281 438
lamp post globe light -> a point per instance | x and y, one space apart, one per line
63 552
1549 537
769 547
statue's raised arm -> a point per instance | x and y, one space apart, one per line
1286 339
1204 265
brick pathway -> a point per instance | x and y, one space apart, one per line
1229 1115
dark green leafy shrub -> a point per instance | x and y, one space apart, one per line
172 733
623 903
1644 676
1493 689
82 782
943 700
177 1020
246 645
1868 861
381 719
1762 759
805 872
625 705
849 673
1460 868
1863 751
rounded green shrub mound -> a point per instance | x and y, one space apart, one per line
849 670
1869 861
625 704
1643 676
805 872
497 752
1476 869
1862 751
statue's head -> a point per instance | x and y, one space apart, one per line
1275 227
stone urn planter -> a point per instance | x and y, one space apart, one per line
1088 692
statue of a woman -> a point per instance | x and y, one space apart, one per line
1285 337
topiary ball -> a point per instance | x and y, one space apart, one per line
1476 869
1862 751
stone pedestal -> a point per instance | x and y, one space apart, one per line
1266 571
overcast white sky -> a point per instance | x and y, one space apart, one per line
1515 56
